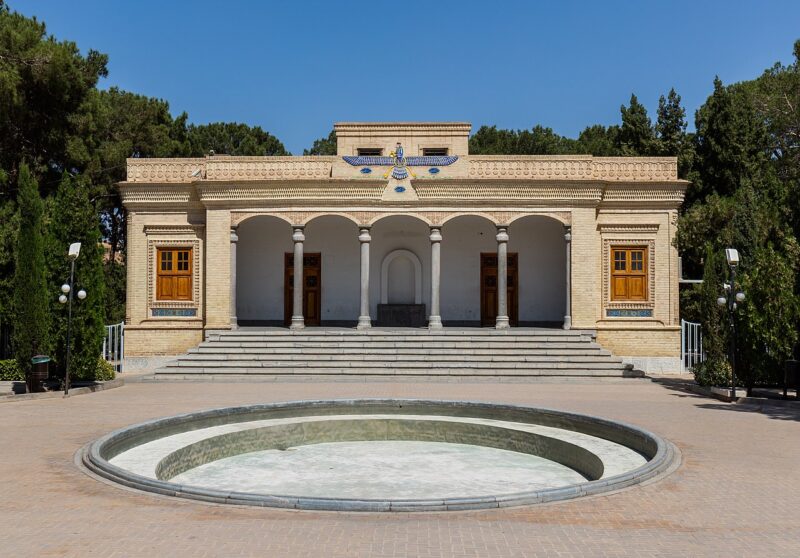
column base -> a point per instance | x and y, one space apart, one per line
567 322
502 323
364 322
435 322
298 322
234 323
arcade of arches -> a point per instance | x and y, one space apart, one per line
400 271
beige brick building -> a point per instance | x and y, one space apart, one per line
404 228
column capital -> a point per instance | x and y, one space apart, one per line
363 234
234 235
502 234
298 235
436 234
568 233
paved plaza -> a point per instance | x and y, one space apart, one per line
736 493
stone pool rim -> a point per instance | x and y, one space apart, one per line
660 454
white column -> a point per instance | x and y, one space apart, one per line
234 241
502 279
435 319
297 300
568 292
364 320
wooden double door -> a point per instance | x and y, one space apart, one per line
489 288
312 288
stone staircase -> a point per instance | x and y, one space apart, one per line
409 352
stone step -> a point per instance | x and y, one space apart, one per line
309 351
211 373
466 352
227 357
424 332
203 363
402 344
550 334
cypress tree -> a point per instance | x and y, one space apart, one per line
31 317
636 135
75 220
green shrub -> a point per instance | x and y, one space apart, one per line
10 372
713 372
105 371
101 372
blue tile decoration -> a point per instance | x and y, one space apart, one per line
174 312
399 162
382 161
399 173
363 160
624 313
431 161
399 189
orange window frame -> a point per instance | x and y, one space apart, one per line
629 276
174 268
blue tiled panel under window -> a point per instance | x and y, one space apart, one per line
174 312
624 313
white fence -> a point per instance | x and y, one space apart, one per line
691 345
114 345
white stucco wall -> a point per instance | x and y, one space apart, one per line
263 241
463 240
540 243
337 239
397 233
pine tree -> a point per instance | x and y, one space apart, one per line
636 135
31 317
74 220
323 146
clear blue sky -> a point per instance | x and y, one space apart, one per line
294 68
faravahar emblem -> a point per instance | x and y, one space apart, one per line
398 163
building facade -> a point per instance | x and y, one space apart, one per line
403 227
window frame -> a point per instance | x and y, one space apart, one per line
369 151
443 151
174 273
627 274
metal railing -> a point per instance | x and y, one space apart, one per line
691 345
114 345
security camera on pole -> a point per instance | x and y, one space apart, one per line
66 297
731 299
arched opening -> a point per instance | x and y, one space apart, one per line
263 241
400 256
464 239
335 239
540 246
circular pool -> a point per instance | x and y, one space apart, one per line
380 455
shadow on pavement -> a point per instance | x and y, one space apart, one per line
780 410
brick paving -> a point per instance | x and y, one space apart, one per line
737 492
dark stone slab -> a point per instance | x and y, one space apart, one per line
402 315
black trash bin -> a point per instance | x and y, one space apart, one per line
39 373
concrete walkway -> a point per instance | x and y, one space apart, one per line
737 492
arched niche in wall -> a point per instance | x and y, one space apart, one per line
401 278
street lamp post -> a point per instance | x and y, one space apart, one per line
66 297
730 300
